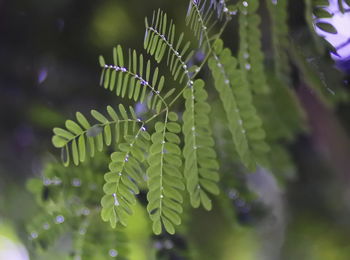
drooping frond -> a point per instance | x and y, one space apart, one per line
164 176
201 165
133 79
289 118
251 57
160 38
243 122
125 173
81 138
274 101
200 17
280 41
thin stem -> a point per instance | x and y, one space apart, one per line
161 164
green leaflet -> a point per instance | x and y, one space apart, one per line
322 13
251 57
125 173
133 79
81 138
200 18
327 27
160 40
201 165
317 17
164 176
244 123
275 103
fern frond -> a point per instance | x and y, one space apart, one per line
201 165
81 138
251 57
200 17
244 123
160 38
125 173
164 177
284 103
134 79
278 15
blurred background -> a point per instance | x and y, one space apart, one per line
49 69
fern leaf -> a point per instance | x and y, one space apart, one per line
125 173
80 138
251 57
199 18
244 123
133 79
279 26
160 39
200 158
164 176
282 100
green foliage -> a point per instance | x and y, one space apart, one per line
125 173
159 40
320 13
280 109
251 58
164 177
177 152
244 123
77 140
69 199
198 17
201 166
280 39
135 80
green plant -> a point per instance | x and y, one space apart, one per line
170 146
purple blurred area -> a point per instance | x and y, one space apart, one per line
340 40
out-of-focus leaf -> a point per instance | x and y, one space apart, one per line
327 27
